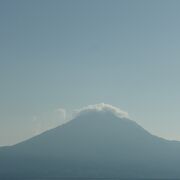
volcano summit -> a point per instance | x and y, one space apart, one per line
99 142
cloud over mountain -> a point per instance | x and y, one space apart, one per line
100 143
48 120
102 107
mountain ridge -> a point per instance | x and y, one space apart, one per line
95 143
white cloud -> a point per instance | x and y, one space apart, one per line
102 107
62 113
52 119
48 120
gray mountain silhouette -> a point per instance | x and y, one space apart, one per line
94 144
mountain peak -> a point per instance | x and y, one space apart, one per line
101 108
101 141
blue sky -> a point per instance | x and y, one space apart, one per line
68 54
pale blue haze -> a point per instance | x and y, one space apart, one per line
68 54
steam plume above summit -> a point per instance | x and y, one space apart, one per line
102 107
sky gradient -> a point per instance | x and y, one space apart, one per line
67 54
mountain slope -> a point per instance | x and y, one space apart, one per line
94 144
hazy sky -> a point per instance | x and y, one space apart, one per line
66 54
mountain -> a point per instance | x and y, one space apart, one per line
96 143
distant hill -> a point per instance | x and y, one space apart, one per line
93 144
